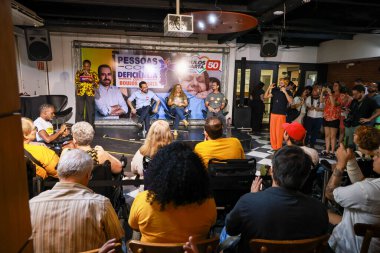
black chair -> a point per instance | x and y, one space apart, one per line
230 179
61 114
152 114
170 115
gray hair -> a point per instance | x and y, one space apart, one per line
83 133
74 163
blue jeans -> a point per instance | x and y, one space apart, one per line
144 116
313 126
179 115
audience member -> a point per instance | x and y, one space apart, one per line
70 217
280 212
373 93
257 106
158 136
143 108
346 101
215 145
177 103
179 202
362 111
280 98
45 129
46 158
108 99
299 103
314 118
331 117
83 134
215 101
361 200
294 135
86 82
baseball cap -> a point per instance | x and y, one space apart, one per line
295 130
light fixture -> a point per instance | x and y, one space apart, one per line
278 13
201 25
212 19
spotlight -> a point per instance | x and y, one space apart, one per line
212 19
201 25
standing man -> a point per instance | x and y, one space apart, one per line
143 99
280 100
108 99
215 101
86 82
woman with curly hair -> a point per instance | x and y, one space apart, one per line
177 103
158 136
178 203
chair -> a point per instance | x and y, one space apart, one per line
152 114
311 245
230 179
204 246
117 249
170 115
368 231
59 102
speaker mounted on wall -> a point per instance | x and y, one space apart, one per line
38 44
269 44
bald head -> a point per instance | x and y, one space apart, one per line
214 128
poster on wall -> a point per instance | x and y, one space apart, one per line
162 70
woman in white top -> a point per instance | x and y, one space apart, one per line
159 135
299 103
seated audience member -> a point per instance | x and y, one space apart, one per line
215 145
178 202
83 134
361 200
158 136
45 129
280 212
70 217
43 155
108 99
294 135
177 103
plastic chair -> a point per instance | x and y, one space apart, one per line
204 246
368 231
311 245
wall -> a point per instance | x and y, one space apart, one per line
365 70
298 55
363 46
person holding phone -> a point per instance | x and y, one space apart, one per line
86 82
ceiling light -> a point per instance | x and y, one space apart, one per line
212 19
201 25
278 13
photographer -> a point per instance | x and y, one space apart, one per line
361 112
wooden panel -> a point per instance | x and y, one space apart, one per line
15 226
9 102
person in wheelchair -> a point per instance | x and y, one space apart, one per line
83 134
361 200
158 136
177 102
45 129
44 158
179 201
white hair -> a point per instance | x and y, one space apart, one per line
74 163
83 133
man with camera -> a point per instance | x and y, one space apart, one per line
361 112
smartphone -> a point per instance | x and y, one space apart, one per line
345 142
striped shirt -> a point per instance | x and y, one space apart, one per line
72 218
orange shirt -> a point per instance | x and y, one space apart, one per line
332 111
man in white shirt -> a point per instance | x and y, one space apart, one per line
314 117
108 99
45 129
143 99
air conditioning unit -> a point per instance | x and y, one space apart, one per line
178 25
23 16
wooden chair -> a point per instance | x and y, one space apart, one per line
368 231
204 246
311 245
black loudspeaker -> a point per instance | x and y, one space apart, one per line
242 117
38 44
269 44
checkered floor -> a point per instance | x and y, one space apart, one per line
263 152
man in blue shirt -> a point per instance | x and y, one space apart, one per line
143 99
108 99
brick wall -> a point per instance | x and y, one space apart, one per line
368 71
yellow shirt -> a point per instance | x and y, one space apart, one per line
47 157
222 148
174 224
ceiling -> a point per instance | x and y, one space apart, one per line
305 23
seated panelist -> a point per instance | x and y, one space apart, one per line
177 103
